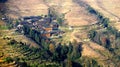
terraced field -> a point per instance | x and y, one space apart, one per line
8 52
5 50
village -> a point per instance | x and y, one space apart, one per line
47 26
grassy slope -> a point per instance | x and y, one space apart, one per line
8 50
5 50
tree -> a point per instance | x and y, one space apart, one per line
70 48
44 44
8 59
92 34
37 38
108 43
31 33
76 52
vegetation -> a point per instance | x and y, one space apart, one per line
33 34
88 62
52 54
109 37
43 55
3 27
8 59
59 17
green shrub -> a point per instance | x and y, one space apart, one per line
8 59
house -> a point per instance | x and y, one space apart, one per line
19 28
47 19
70 28
49 29
54 25
46 26
48 35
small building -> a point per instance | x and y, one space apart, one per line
45 25
48 35
19 26
49 29
54 25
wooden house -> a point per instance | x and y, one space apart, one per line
48 35
49 29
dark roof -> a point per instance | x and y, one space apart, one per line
23 22
54 23
32 17
3 1
47 19
34 20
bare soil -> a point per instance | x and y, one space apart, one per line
109 8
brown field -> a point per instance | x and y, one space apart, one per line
109 8
75 14
78 16
1 22
19 8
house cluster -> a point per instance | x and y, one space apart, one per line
47 26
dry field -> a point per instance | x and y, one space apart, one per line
17 8
75 14
109 8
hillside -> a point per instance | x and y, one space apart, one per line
75 15
21 8
81 22
110 9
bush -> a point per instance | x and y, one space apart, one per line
8 59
